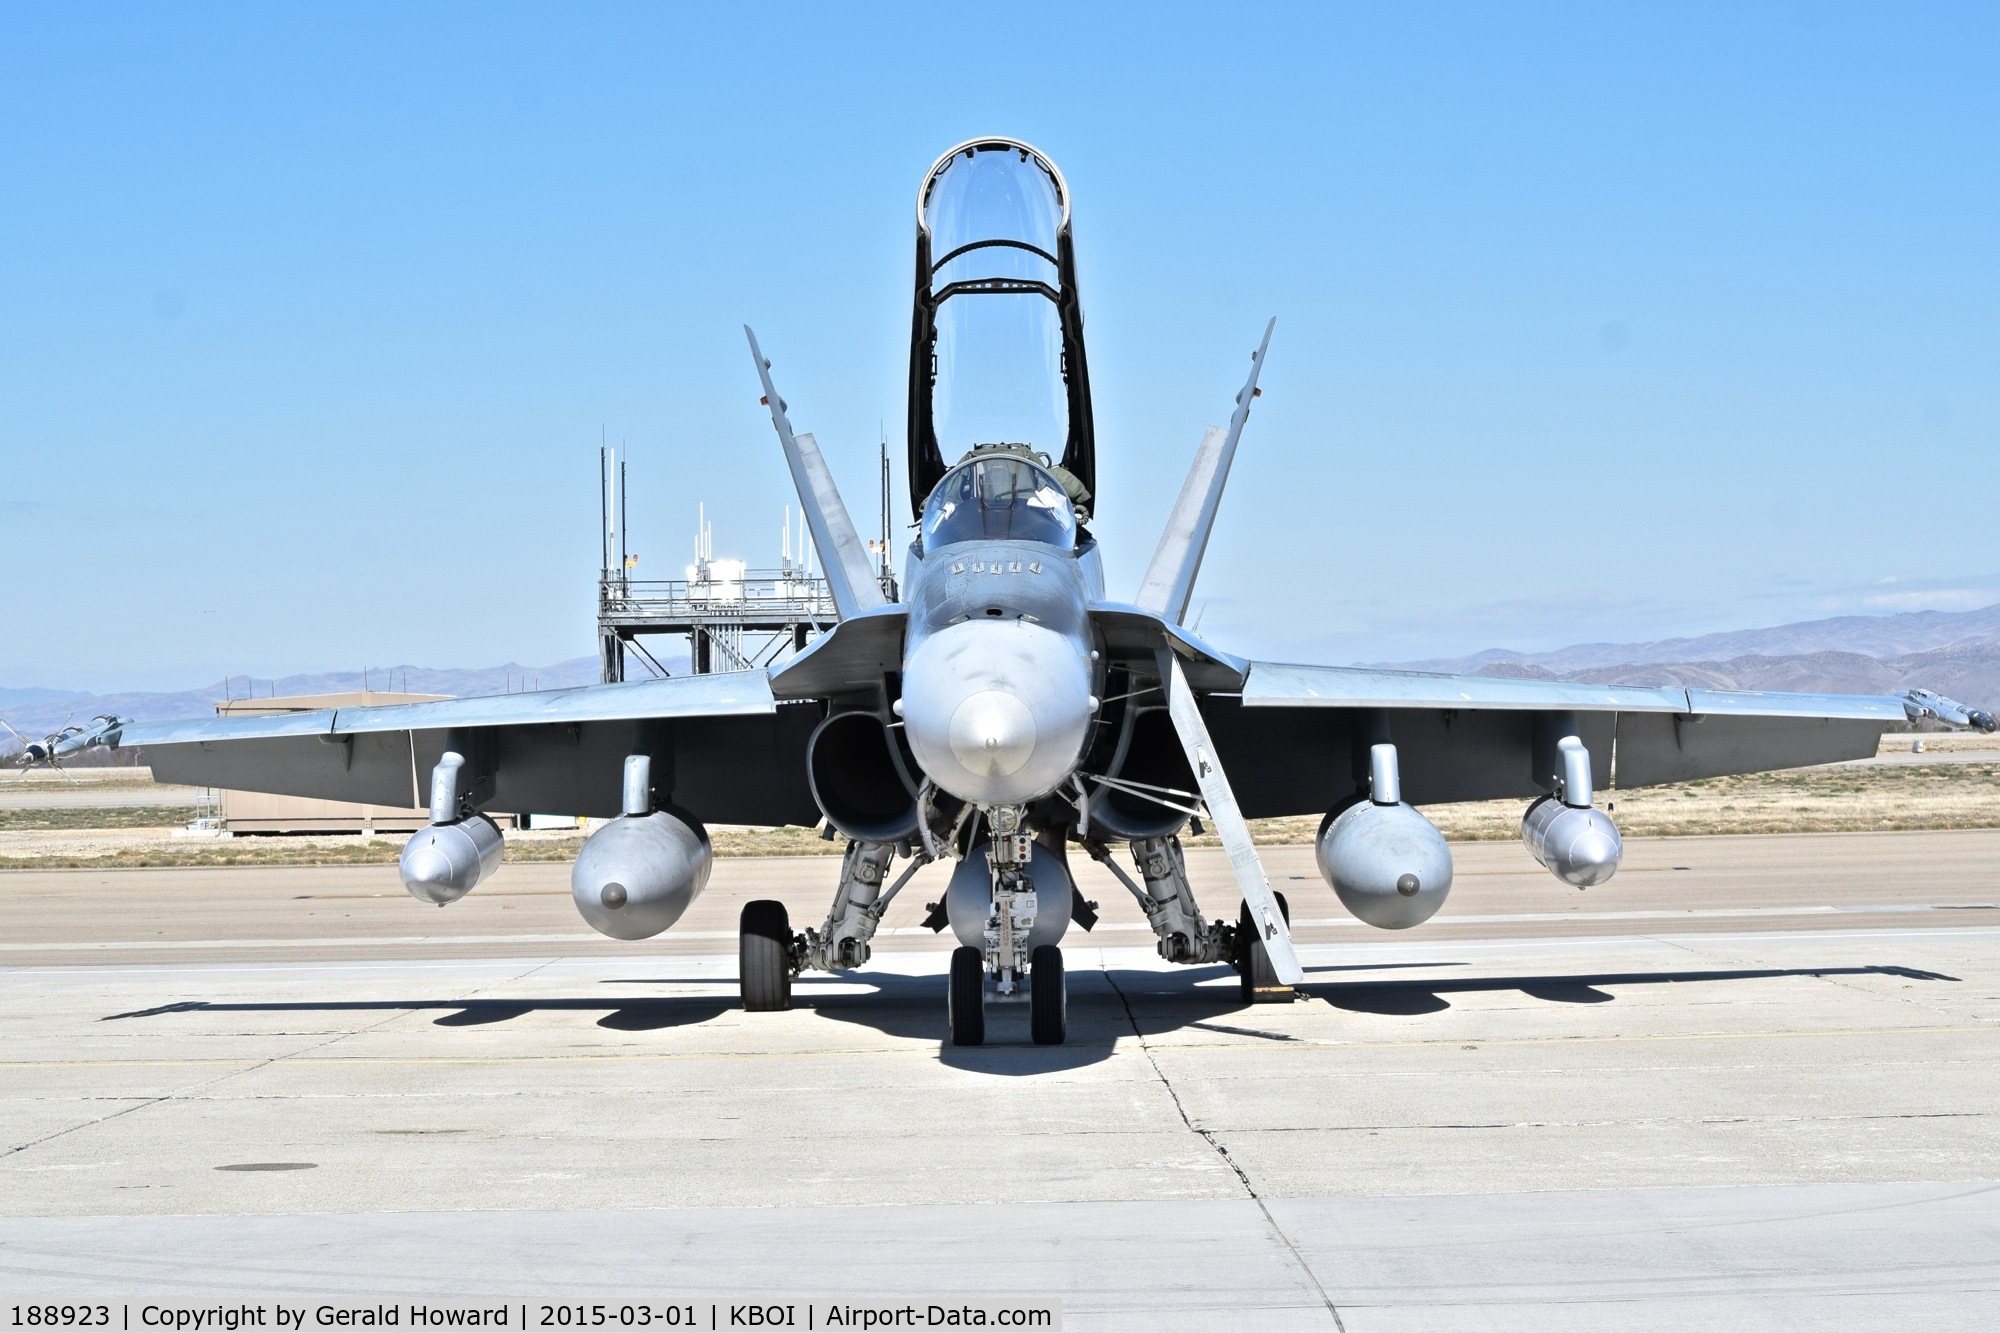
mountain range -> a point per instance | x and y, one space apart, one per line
39 710
1883 637
1956 653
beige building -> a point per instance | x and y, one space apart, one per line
260 812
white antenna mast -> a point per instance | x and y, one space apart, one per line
886 566
611 507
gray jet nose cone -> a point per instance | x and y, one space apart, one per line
997 713
992 734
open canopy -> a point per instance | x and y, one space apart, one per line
997 335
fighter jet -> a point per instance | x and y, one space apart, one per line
1007 714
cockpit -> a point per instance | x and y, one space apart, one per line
997 341
1000 497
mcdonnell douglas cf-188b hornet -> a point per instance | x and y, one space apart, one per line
1005 714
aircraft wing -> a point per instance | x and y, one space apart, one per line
1290 734
724 749
1282 685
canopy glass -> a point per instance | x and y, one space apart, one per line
993 213
999 497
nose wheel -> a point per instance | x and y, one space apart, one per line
965 1005
1048 996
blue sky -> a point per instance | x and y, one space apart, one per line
1594 322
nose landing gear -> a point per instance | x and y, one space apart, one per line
1048 997
1011 968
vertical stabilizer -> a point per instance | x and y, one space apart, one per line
841 550
1169 582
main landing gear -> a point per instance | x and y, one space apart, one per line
1167 899
769 954
764 967
1258 980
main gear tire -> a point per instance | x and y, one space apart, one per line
965 1004
1257 980
764 956
1048 996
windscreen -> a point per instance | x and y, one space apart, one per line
1008 498
993 214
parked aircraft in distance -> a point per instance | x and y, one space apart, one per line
1005 712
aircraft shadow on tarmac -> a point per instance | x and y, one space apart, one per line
638 1014
1415 998
1104 1006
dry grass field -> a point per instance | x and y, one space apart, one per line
94 779
1954 785
97 817
1842 798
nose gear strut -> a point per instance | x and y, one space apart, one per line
1015 903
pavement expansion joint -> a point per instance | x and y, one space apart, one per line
1221 1150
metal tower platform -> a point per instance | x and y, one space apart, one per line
734 618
